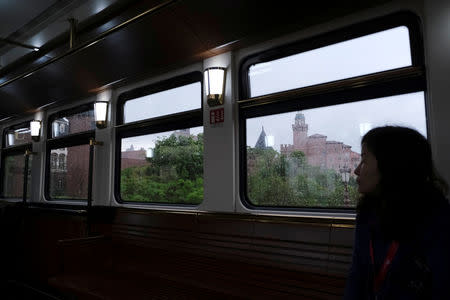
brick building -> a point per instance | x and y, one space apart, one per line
133 158
318 150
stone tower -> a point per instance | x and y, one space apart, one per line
300 132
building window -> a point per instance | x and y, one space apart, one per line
302 115
16 140
62 162
68 153
54 161
161 143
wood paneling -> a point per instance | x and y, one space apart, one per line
296 243
220 255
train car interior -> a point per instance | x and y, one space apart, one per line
194 149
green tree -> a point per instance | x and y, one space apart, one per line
173 175
184 154
278 180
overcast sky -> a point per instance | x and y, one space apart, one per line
345 122
183 98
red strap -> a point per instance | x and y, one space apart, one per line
379 278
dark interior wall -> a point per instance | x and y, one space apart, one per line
32 236
181 33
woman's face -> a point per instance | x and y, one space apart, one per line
367 172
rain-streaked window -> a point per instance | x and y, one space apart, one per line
16 141
69 182
13 176
68 153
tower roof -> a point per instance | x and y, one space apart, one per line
261 142
300 116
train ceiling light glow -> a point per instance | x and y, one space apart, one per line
101 108
35 127
214 85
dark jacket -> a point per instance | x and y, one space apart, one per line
420 268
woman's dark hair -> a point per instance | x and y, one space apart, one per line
409 186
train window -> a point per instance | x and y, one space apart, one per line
18 136
16 141
69 182
14 166
73 123
161 158
165 167
300 158
300 146
68 153
380 51
162 103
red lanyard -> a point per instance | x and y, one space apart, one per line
379 278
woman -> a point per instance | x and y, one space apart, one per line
402 236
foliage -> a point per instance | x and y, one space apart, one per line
275 179
173 175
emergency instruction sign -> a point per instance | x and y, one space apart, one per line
216 116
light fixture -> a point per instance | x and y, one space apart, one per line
11 139
101 108
35 127
214 85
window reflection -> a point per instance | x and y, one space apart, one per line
15 137
75 123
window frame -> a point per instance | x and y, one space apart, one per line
408 19
186 119
70 140
365 87
12 150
